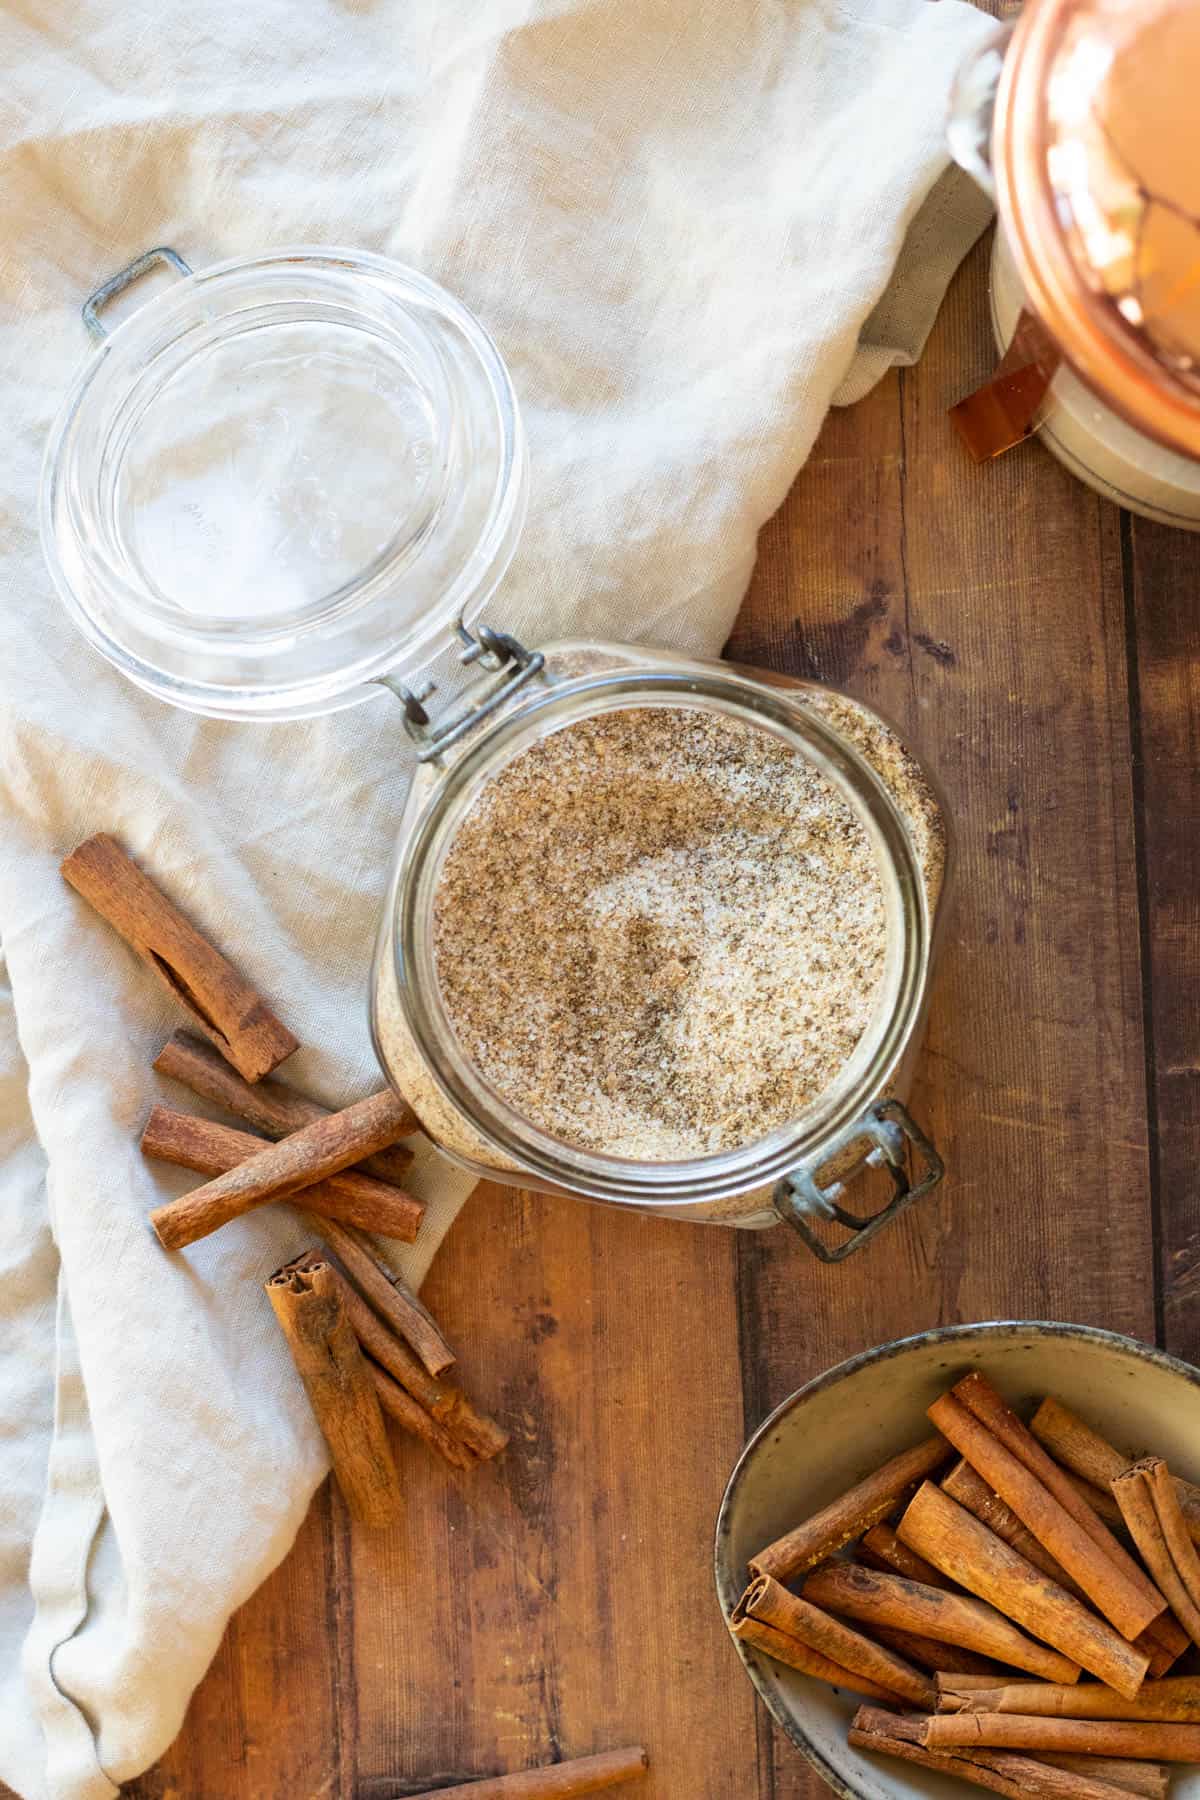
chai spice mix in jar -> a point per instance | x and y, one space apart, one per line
660 934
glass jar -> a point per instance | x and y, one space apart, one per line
295 479
797 1172
1079 121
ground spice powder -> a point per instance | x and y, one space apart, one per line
659 933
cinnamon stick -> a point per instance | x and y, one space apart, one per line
1108 1585
771 1604
1176 1699
1174 1527
1093 1459
1100 1500
965 1484
560 1781
938 1658
325 1350
880 1548
1085 1737
874 1598
981 1399
269 1106
1150 1780
440 1399
795 1655
393 1398
412 1418
851 1514
321 1149
937 1528
1000 1771
219 1001
1150 1507
959 1684
391 1297
1163 1640
203 1145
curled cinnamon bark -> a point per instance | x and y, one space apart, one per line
851 1514
771 1604
882 1549
307 1303
1177 1699
443 1402
391 1297
561 1781
1148 1501
219 1001
1094 1460
948 1684
938 1658
269 1106
401 1406
1163 1640
1150 1780
794 1655
877 1598
937 1528
201 1144
274 1172
1089 1554
1019 1777
978 1395
1095 1737
395 1400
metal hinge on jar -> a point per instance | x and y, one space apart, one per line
492 650
886 1126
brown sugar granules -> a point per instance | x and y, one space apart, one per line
659 933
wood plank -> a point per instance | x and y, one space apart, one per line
982 609
1164 597
561 1601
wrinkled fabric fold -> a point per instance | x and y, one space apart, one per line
681 220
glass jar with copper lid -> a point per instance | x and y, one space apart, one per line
1081 120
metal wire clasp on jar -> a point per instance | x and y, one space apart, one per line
544 769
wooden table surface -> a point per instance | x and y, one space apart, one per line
1042 651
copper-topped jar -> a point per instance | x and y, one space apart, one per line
1081 121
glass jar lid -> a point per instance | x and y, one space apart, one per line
283 479
1099 187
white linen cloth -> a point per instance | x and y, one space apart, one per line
680 218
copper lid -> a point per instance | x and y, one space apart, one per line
1096 149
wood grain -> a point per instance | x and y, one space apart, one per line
991 612
1162 589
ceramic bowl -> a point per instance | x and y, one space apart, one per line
850 1420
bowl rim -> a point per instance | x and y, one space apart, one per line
939 1334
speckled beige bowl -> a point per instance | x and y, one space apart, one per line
847 1422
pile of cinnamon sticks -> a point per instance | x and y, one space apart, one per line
363 1344
1012 1617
